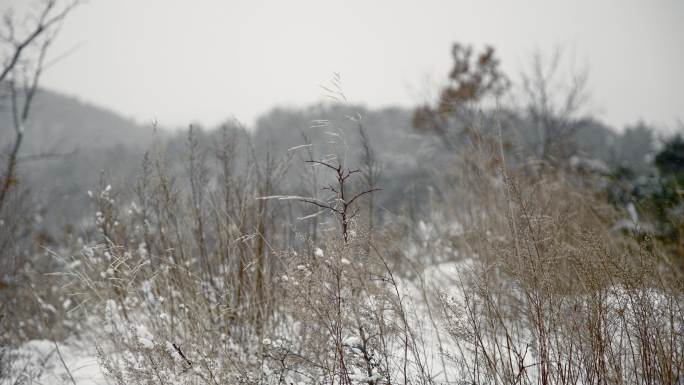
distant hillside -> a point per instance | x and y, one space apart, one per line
87 140
60 123
100 141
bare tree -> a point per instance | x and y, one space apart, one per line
24 47
554 105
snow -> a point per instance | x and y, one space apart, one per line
44 367
38 362
352 342
282 197
299 147
590 165
314 215
144 337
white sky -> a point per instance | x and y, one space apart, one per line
202 60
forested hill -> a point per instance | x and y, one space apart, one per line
59 123
66 147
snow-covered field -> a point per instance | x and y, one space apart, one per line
440 353
46 362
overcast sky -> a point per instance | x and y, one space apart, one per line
201 60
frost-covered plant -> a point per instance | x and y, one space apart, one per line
346 322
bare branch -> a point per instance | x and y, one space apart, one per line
320 204
359 195
349 173
324 164
45 22
331 188
356 211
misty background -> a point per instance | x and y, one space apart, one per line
121 71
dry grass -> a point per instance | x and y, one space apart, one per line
553 296
196 280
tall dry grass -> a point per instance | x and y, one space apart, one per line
553 296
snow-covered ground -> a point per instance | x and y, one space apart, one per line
44 362
39 361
